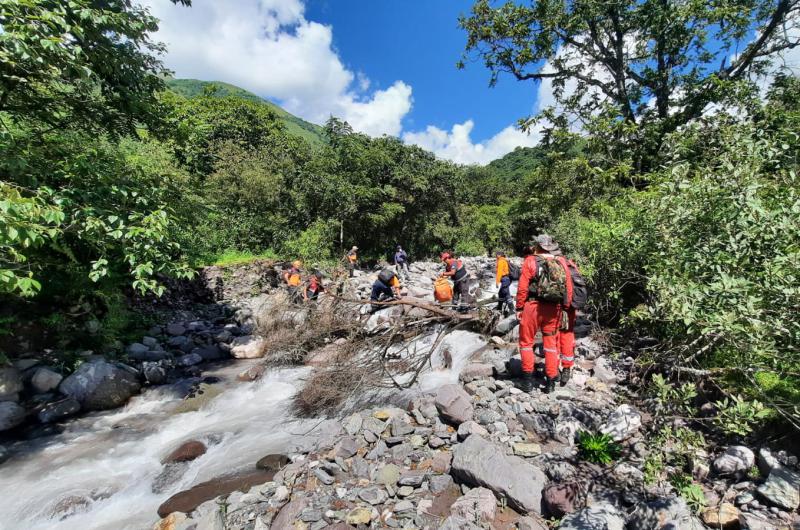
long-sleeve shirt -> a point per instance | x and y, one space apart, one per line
400 257
502 269
526 274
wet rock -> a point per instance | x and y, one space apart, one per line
100 385
723 516
562 499
657 513
154 373
782 489
45 380
11 415
475 371
736 459
190 359
175 329
272 462
186 452
248 347
600 516
477 506
252 374
209 352
4 454
454 404
10 383
478 462
471 427
58 410
186 501
137 350
622 423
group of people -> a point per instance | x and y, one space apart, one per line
550 290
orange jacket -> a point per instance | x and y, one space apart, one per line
352 256
292 277
502 269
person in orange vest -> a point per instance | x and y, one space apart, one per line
535 313
455 270
313 287
385 288
293 279
352 260
502 280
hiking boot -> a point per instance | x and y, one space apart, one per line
526 384
550 385
566 373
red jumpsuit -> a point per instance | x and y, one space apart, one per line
566 338
536 316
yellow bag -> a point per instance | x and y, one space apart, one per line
442 290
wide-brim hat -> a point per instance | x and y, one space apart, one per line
546 242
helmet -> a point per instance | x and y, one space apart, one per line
297 264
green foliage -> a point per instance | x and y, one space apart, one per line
314 244
669 399
736 415
691 492
671 448
597 448
237 257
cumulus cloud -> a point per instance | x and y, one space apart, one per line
270 48
457 144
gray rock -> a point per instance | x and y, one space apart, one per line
412 478
11 415
209 352
44 380
477 506
478 462
175 329
471 427
600 516
373 495
352 424
100 385
475 371
458 523
10 383
506 325
749 521
782 489
454 404
190 359
150 342
58 410
655 515
154 373
736 459
346 447
622 423
400 427
404 507
388 475
766 461
603 371
248 347
323 476
180 342
439 483
137 349
374 425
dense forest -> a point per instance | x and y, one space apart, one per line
678 194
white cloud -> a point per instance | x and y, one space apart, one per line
457 145
270 48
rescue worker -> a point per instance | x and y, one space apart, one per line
537 315
293 279
401 262
457 273
313 287
352 260
502 281
386 287
566 334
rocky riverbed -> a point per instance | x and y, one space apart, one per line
207 438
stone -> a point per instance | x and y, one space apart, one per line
100 385
11 415
622 423
405 491
471 427
440 483
404 507
175 329
374 425
478 462
474 371
352 424
736 459
766 461
254 373
208 352
782 489
190 359
562 499
477 506
191 499
289 513
600 516
656 514
527 449
412 478
723 516
454 404
400 427
248 347
388 475
172 521
272 462
10 383
323 476
58 410
186 452
154 373
603 372
137 350
45 380
458 523
373 495
529 523
359 516
506 325
442 462
749 521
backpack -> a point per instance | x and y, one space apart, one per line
513 272
551 281
580 292
442 290
386 276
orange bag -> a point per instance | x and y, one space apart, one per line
442 290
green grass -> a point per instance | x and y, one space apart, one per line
237 257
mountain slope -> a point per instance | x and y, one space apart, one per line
297 126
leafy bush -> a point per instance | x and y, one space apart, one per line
598 448
691 492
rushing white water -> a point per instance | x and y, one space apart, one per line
114 457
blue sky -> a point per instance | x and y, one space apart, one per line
387 67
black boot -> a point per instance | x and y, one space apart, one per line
526 384
566 373
549 385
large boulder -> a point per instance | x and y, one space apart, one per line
101 385
600 516
478 462
454 404
10 383
248 347
622 423
11 415
59 410
782 488
45 380
477 506
736 460
655 515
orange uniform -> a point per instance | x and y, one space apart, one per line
536 316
